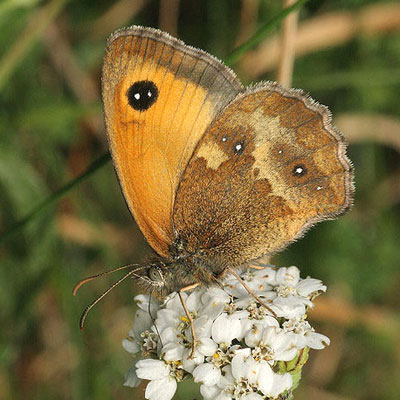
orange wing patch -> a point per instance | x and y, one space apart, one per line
159 97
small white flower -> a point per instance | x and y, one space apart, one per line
174 325
272 344
163 378
141 337
251 376
240 344
305 335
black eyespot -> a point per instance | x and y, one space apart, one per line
299 170
238 148
142 95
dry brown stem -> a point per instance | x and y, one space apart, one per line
333 29
63 58
118 15
168 18
287 53
81 83
383 129
248 21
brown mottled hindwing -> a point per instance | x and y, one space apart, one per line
268 167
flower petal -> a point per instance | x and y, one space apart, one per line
130 345
207 374
209 392
151 369
193 302
265 378
309 285
223 396
207 347
225 329
142 301
202 327
239 368
317 341
161 389
190 364
173 351
173 302
252 396
281 383
227 378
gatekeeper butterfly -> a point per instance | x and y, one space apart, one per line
216 175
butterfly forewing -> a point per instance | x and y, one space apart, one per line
270 166
159 97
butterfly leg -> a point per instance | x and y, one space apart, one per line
190 318
250 291
257 267
261 264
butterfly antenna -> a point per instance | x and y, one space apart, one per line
92 304
90 278
153 320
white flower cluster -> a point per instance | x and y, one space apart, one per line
243 352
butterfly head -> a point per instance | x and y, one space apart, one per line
152 278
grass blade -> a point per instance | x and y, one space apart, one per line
55 196
262 33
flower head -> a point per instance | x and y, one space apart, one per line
242 352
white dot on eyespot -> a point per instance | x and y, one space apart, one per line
149 94
319 187
136 96
224 139
238 147
299 170
280 151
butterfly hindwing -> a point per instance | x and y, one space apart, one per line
159 97
270 166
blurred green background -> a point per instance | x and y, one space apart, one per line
51 129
